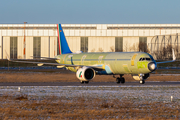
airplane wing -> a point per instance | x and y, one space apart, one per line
98 68
174 58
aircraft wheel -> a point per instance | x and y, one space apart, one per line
118 80
122 80
86 82
82 82
141 81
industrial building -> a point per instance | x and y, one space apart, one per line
22 41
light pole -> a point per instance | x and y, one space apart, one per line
24 51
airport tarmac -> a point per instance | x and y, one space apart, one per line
127 84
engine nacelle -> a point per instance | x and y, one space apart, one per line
145 76
85 74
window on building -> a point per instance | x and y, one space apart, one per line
13 47
36 47
143 44
84 44
118 44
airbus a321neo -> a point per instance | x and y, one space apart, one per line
88 65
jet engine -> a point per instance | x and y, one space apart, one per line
145 76
85 74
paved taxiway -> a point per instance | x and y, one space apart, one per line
90 84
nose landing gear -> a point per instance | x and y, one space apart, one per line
142 81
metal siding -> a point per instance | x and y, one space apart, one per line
178 31
103 32
146 32
52 46
35 33
157 32
93 33
88 32
44 46
71 33
20 47
104 27
46 33
76 32
141 32
136 32
125 32
29 47
9 32
91 45
151 32
52 32
14 33
6 47
99 33
4 32
119 32
174 31
114 33
82 33
19 33
108 32
29 33
41 33
130 32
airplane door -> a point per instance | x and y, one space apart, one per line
100 59
132 60
82 60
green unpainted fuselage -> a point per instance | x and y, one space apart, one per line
111 62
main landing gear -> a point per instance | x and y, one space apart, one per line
82 82
120 79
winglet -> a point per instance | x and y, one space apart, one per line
174 58
173 54
7 56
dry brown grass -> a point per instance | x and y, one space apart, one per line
67 76
52 107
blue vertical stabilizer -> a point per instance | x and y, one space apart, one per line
62 42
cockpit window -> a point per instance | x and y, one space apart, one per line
143 59
148 59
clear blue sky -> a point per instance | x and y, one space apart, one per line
90 11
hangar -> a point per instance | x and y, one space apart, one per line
22 41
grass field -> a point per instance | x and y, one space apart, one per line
62 75
143 103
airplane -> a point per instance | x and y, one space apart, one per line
88 65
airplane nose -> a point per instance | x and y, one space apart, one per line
152 66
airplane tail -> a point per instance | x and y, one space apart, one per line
62 42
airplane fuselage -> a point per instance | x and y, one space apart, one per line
111 62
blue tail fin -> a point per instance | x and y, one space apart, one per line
63 45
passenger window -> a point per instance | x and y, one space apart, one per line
140 59
143 59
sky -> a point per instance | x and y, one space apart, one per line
90 11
